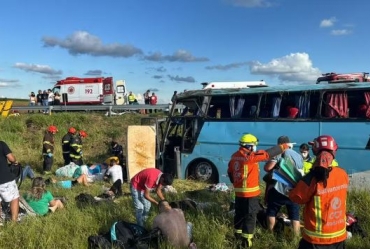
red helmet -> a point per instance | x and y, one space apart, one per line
83 134
324 142
53 129
72 130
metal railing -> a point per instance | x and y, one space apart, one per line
111 109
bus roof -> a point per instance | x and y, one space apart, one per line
234 85
274 89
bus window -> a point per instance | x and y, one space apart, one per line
335 105
299 104
358 104
250 106
219 107
270 106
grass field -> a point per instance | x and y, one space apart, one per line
70 228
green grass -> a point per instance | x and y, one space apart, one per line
70 228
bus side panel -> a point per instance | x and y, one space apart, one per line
219 140
352 139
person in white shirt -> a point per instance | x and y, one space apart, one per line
115 173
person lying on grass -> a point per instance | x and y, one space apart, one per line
41 200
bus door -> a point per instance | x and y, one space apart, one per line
120 92
159 125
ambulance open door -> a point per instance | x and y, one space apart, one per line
120 92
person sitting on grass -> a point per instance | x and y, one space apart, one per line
115 173
40 199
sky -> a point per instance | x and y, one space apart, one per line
168 45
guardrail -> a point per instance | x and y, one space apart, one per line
111 109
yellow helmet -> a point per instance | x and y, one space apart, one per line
248 139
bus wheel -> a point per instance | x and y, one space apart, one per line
204 171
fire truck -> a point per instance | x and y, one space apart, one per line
342 78
91 91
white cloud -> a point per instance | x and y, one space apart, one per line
180 55
340 32
44 69
328 22
249 3
82 42
295 67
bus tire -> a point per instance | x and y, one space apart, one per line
205 171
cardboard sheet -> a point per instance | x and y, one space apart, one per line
141 142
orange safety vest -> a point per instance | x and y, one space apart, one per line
325 208
245 173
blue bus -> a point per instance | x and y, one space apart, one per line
202 138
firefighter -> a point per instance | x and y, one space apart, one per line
323 191
76 153
243 171
48 148
66 145
117 151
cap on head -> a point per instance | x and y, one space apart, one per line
83 134
283 140
248 139
72 130
324 142
52 129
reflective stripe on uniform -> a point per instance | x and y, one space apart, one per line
318 214
246 190
324 235
49 143
238 231
247 236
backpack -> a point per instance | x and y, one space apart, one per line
17 171
125 235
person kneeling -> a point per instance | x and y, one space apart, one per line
41 200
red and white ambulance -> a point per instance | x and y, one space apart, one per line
91 91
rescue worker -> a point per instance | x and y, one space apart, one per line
117 151
76 153
131 98
66 145
308 160
323 191
243 172
48 148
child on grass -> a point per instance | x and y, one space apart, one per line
41 200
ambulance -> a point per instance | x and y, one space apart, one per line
91 91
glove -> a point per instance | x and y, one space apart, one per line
50 154
81 153
290 145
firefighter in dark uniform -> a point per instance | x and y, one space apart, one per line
117 151
76 148
66 145
48 148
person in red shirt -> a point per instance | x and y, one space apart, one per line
141 185
153 99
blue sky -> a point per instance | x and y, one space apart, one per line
167 45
